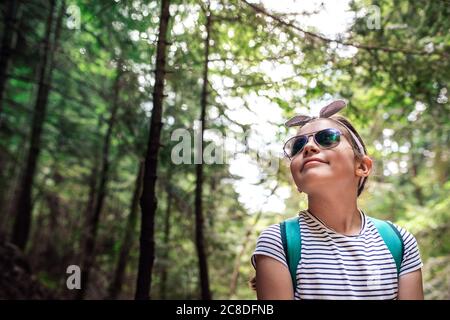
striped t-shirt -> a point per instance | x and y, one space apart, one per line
335 266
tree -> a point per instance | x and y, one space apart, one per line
94 216
23 201
199 238
166 238
12 8
148 198
116 284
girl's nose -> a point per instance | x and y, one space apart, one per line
310 147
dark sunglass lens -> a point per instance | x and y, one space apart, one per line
328 137
298 145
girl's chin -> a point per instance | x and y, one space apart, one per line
316 181
310 172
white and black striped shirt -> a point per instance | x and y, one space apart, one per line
335 266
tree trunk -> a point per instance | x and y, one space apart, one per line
54 205
199 237
165 254
148 198
23 206
9 29
116 284
92 196
418 193
237 261
52 238
440 160
92 228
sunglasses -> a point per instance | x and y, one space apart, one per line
325 139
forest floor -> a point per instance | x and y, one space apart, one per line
17 280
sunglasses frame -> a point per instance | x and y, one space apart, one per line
313 134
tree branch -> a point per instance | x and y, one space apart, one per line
312 35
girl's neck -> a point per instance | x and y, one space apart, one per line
338 213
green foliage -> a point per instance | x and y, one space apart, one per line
397 87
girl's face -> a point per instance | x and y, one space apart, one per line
333 168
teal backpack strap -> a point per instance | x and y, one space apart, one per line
292 245
392 238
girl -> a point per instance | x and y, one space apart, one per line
344 253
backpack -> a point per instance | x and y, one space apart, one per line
292 242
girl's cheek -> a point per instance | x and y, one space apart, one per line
295 165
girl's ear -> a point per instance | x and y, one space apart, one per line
364 167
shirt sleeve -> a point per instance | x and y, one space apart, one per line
411 255
269 244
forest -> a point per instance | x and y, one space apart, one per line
141 140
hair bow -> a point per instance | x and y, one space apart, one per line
326 112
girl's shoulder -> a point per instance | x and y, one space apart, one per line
269 243
272 231
406 236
